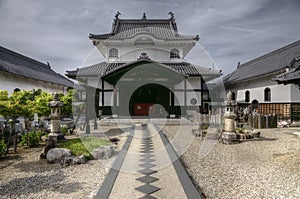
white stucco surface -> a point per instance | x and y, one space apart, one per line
10 82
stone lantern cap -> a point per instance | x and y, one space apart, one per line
55 102
230 101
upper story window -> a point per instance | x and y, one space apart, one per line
267 94
247 96
113 53
174 53
17 90
233 96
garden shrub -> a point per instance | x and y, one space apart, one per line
34 139
64 130
3 148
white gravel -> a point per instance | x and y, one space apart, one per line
29 177
265 168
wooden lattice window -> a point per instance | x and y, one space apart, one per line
174 53
113 53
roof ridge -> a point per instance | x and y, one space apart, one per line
270 54
145 20
23 56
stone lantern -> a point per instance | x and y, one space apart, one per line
229 136
55 117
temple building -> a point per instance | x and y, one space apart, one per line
19 72
268 84
144 71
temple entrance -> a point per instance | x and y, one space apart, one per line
150 100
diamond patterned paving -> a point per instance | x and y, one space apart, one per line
147 171
147 197
147 179
147 189
147 165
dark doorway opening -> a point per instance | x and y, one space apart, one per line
255 106
150 99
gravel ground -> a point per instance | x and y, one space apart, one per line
24 175
268 167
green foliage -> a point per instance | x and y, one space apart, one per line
67 100
3 95
20 103
92 143
26 103
239 130
3 148
4 103
64 130
41 104
83 146
34 139
76 147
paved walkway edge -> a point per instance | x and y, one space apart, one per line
190 190
110 179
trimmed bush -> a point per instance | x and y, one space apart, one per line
32 137
3 148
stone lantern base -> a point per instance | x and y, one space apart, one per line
229 138
57 137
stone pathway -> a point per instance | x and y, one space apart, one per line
147 167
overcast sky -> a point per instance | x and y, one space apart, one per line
231 31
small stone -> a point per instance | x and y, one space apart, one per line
79 160
255 134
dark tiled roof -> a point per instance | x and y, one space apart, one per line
159 28
103 69
18 64
273 62
291 76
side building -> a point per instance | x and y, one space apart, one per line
19 72
254 84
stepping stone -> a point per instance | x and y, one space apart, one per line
147 147
147 165
147 155
146 144
146 151
147 160
146 141
147 189
147 171
147 179
147 197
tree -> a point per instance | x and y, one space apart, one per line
67 100
20 104
4 103
41 101
26 103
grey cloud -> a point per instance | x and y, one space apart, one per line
230 31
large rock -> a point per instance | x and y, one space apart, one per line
57 154
103 152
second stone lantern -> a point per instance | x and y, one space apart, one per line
229 136
55 117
